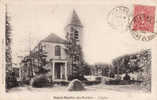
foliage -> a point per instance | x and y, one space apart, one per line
11 80
10 77
39 81
133 62
85 70
34 63
137 62
39 55
119 82
91 82
101 69
8 43
75 58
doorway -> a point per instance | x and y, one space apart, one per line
59 70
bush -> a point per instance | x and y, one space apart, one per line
119 82
91 82
81 78
39 81
62 83
11 80
76 85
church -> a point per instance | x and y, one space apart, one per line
55 49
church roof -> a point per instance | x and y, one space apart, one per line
53 38
75 19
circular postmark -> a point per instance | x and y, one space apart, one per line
140 27
118 18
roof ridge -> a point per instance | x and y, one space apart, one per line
53 38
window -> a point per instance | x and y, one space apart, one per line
57 50
76 36
76 58
43 47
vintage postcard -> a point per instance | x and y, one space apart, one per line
78 50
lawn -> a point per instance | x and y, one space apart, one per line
98 88
97 92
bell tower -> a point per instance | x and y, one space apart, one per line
74 29
74 46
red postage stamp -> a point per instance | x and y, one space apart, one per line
144 18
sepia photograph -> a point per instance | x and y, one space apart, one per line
80 48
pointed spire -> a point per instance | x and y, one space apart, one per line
75 19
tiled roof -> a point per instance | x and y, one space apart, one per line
53 38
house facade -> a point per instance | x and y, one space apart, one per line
53 48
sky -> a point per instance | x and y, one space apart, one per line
101 43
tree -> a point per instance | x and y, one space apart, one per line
8 42
11 80
75 58
132 62
40 55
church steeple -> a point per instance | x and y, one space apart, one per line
74 29
75 19
74 45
